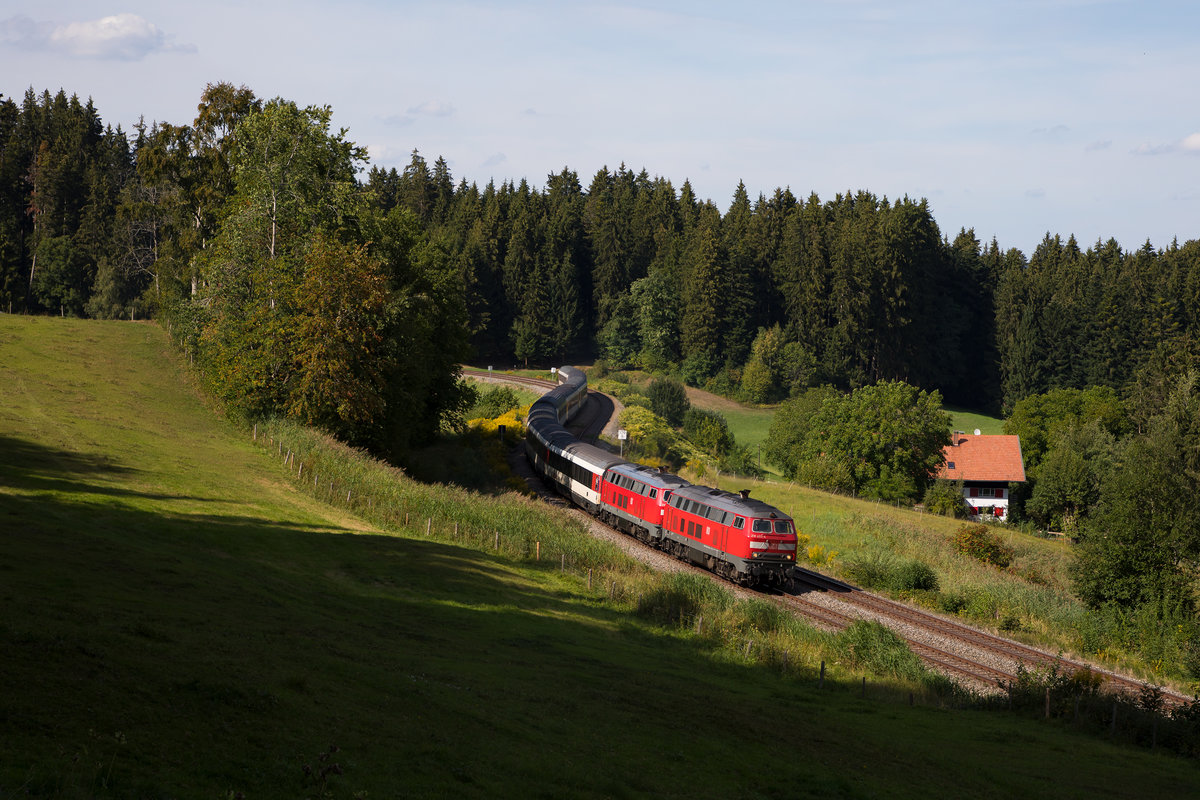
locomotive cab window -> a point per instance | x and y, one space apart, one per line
782 526
739 522
653 493
761 526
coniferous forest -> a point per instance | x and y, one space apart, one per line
303 280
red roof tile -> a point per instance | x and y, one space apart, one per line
983 458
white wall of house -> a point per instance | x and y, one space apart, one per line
986 498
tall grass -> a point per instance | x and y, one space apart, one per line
510 525
515 527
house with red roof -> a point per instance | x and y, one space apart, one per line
986 465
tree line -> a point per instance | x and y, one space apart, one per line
246 220
249 234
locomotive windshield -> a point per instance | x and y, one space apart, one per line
782 526
761 526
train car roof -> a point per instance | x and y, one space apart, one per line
728 501
597 458
651 476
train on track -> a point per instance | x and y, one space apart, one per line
745 540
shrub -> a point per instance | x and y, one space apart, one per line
945 498
708 430
739 460
669 400
890 486
492 402
982 544
827 472
914 576
818 555
869 570
879 570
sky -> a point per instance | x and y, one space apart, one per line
1015 119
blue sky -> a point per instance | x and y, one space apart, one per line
1013 118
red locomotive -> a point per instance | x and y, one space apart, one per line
741 539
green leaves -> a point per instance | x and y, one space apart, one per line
883 440
1143 546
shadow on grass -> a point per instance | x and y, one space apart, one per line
36 467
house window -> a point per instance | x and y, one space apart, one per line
987 491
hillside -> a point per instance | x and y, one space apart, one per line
178 619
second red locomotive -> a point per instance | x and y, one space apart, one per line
744 540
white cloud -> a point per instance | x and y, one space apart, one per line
122 37
432 108
1188 144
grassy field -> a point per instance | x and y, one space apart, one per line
183 615
1031 600
971 421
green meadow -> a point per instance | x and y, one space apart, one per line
192 607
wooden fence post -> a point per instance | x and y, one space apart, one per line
589 579
428 525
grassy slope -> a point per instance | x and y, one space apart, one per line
177 620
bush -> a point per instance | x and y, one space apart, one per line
890 486
914 576
878 570
827 472
708 430
946 498
980 543
669 400
739 460
493 402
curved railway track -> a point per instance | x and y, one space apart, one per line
927 635
588 423
937 658
541 384
995 647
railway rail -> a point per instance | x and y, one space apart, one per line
996 647
940 659
984 660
